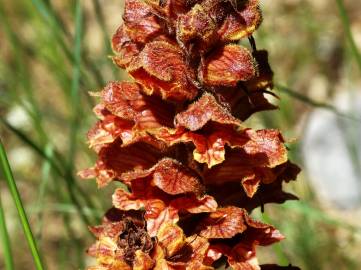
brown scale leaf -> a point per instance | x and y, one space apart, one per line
227 66
161 69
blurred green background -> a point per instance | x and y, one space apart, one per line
52 52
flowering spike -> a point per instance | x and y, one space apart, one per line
175 137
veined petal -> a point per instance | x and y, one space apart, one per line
125 48
227 66
161 69
141 23
169 176
197 28
223 223
114 160
204 110
171 237
142 261
126 100
169 9
242 22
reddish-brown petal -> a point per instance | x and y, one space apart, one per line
243 257
161 69
124 47
250 97
252 161
125 100
204 110
233 193
223 223
114 160
108 130
171 238
266 147
169 9
195 205
124 201
142 261
243 254
242 22
141 23
168 215
227 66
197 28
170 176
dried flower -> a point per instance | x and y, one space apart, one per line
175 137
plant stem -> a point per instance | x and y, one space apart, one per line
5 240
19 206
347 28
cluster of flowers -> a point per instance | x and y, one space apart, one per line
175 138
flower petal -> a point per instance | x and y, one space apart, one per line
108 130
170 176
161 69
197 28
142 261
114 160
223 223
141 23
242 22
204 110
171 237
125 100
124 47
227 66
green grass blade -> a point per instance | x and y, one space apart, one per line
347 28
75 98
19 205
46 174
5 240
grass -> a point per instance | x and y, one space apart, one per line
54 52
5 167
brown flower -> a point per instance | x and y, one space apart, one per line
191 170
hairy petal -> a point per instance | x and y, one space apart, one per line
204 110
242 22
170 176
161 69
227 66
223 223
140 21
124 48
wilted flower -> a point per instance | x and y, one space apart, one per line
175 137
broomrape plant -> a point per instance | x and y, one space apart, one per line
175 137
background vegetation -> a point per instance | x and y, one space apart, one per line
52 52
